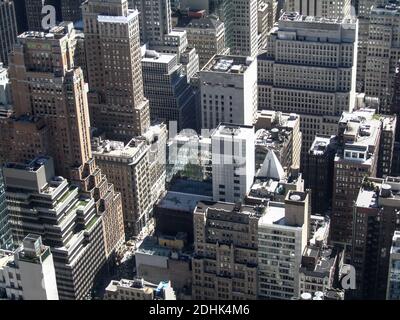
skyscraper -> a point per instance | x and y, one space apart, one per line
233 163
73 229
228 91
382 54
376 218
357 156
8 29
51 117
71 10
155 20
225 259
5 232
320 8
241 25
116 101
171 97
309 68
283 232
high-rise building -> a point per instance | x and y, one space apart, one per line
5 93
320 8
383 52
283 232
34 16
241 26
225 251
116 100
28 272
279 132
357 156
8 29
156 33
73 229
393 286
232 162
363 9
5 232
155 20
318 172
51 117
130 161
309 68
206 34
228 91
71 10
263 23
165 85
376 218
386 145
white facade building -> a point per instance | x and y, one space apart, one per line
228 91
28 273
320 8
241 24
393 287
282 236
233 162
309 68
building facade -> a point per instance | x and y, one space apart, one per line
225 254
283 232
383 54
309 67
116 100
228 91
376 218
232 162
74 231
393 287
8 29
51 117
28 272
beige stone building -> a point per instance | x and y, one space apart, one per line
128 167
225 256
206 34
116 100
309 67
51 117
383 53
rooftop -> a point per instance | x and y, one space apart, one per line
233 130
181 201
118 19
31 166
202 23
206 206
320 145
130 152
228 64
295 16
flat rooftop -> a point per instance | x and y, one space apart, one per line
31 166
157 57
181 201
274 215
212 206
320 145
295 16
118 19
236 130
228 64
